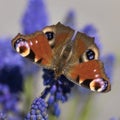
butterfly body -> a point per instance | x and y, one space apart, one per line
56 48
60 62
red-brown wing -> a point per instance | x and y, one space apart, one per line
45 46
91 75
62 35
34 47
85 68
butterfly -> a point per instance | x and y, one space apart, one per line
58 48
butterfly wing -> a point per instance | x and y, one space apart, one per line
85 68
62 35
33 47
43 47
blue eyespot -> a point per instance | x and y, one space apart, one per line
49 35
17 42
90 54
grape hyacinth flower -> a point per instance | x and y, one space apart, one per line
57 90
114 118
35 17
10 67
11 80
38 110
109 61
2 116
69 20
13 70
8 102
13 67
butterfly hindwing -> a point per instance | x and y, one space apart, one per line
85 68
90 75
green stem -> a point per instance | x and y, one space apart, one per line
28 92
52 117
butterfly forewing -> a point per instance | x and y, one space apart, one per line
34 47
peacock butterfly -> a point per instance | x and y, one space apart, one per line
54 48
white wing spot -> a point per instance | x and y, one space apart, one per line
31 43
36 41
97 75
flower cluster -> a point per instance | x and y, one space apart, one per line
8 102
35 17
38 110
13 70
70 19
109 61
58 90
2 116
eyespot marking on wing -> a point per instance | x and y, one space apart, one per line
50 35
22 47
91 53
98 85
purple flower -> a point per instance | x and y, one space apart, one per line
11 65
56 109
13 69
38 110
2 116
35 17
70 19
109 63
113 118
7 53
8 102
57 90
